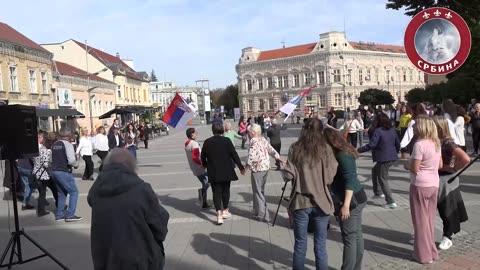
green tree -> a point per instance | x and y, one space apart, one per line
227 97
415 95
470 12
153 77
374 97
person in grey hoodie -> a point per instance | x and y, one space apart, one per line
129 225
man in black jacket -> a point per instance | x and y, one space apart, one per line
129 225
274 134
115 139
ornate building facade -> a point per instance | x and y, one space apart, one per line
337 70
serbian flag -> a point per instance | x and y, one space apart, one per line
179 112
292 104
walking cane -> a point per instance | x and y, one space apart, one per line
279 203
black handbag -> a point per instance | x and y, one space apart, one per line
32 179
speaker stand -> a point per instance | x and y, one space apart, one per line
14 246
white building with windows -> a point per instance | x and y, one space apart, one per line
337 70
162 93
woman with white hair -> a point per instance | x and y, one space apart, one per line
259 162
230 134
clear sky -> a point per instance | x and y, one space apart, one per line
186 40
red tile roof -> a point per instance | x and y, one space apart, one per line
308 48
377 47
107 59
286 52
66 69
7 33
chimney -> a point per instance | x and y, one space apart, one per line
118 55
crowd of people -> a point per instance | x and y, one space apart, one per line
59 155
322 169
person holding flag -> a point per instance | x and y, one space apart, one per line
179 112
290 106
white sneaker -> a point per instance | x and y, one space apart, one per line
391 205
445 244
219 221
378 197
227 215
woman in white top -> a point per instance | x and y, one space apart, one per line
101 145
85 149
460 127
350 128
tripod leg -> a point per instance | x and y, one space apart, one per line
5 252
15 239
279 203
44 251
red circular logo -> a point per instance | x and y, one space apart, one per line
437 41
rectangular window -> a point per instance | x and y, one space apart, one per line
249 85
411 75
338 99
369 74
250 105
33 81
309 98
321 77
280 81
377 75
119 92
270 103
13 79
323 101
387 76
285 81
80 106
260 83
349 76
336 75
307 78
261 105
44 82
360 75
296 80
404 75
270 82
94 108
419 76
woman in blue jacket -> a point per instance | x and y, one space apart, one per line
385 145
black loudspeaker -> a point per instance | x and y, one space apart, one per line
19 136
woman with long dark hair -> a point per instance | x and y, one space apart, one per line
450 204
351 199
311 167
385 146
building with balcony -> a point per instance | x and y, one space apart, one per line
337 70
132 86
101 93
25 70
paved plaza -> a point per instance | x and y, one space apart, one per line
195 242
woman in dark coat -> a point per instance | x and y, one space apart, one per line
217 155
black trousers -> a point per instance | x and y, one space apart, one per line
277 147
221 195
101 155
146 143
42 191
352 139
88 167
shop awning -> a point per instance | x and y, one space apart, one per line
59 113
117 111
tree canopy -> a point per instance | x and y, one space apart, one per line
153 77
373 97
227 97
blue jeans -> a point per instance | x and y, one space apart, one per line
320 220
27 193
66 186
204 180
133 150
